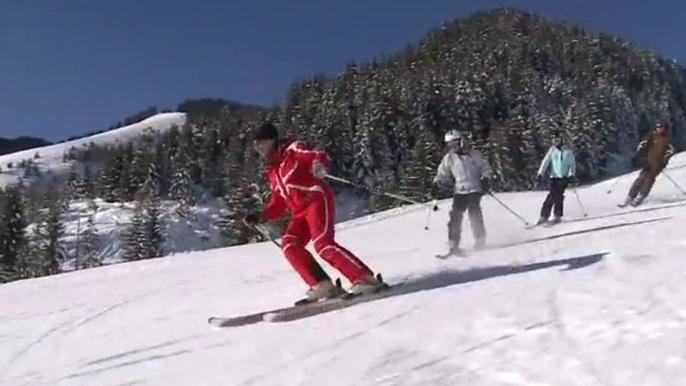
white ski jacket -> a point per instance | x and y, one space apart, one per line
465 171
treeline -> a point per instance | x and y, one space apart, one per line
506 77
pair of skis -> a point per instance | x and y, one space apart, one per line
302 309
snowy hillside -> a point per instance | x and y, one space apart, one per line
50 158
598 301
196 231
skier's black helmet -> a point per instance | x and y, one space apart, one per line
266 131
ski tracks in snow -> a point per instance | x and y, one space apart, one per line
76 322
331 347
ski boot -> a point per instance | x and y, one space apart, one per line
556 220
638 201
542 221
367 285
479 244
324 290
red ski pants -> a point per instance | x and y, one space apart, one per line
316 223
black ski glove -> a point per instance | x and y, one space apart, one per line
252 219
435 190
485 185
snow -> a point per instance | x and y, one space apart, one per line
51 157
598 301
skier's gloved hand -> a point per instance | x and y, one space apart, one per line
318 170
485 185
252 219
435 190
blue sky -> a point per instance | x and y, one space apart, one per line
72 66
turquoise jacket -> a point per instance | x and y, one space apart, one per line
561 162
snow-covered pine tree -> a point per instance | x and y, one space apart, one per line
363 166
71 185
13 229
163 167
417 179
49 231
90 245
154 231
85 186
133 250
239 201
181 189
109 178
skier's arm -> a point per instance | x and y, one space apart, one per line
484 167
275 207
670 151
443 174
316 159
572 167
544 163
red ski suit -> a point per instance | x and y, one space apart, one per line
311 203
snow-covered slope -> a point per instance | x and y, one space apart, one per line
51 157
598 301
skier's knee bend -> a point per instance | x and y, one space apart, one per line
290 241
323 243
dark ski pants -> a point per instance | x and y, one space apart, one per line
472 204
555 199
643 184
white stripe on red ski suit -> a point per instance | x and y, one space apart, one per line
311 203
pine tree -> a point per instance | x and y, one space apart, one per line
71 185
146 236
13 228
49 231
418 178
154 236
133 250
239 201
90 240
181 188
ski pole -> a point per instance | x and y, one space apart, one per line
674 182
580 203
508 208
430 210
614 184
263 232
391 195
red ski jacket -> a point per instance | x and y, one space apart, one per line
293 185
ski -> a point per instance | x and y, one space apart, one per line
548 224
301 307
288 315
257 317
444 256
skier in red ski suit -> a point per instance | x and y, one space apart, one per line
296 175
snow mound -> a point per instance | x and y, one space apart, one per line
596 300
50 158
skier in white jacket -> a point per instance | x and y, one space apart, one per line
468 173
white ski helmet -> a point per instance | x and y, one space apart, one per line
453 135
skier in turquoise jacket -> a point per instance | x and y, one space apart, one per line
560 165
